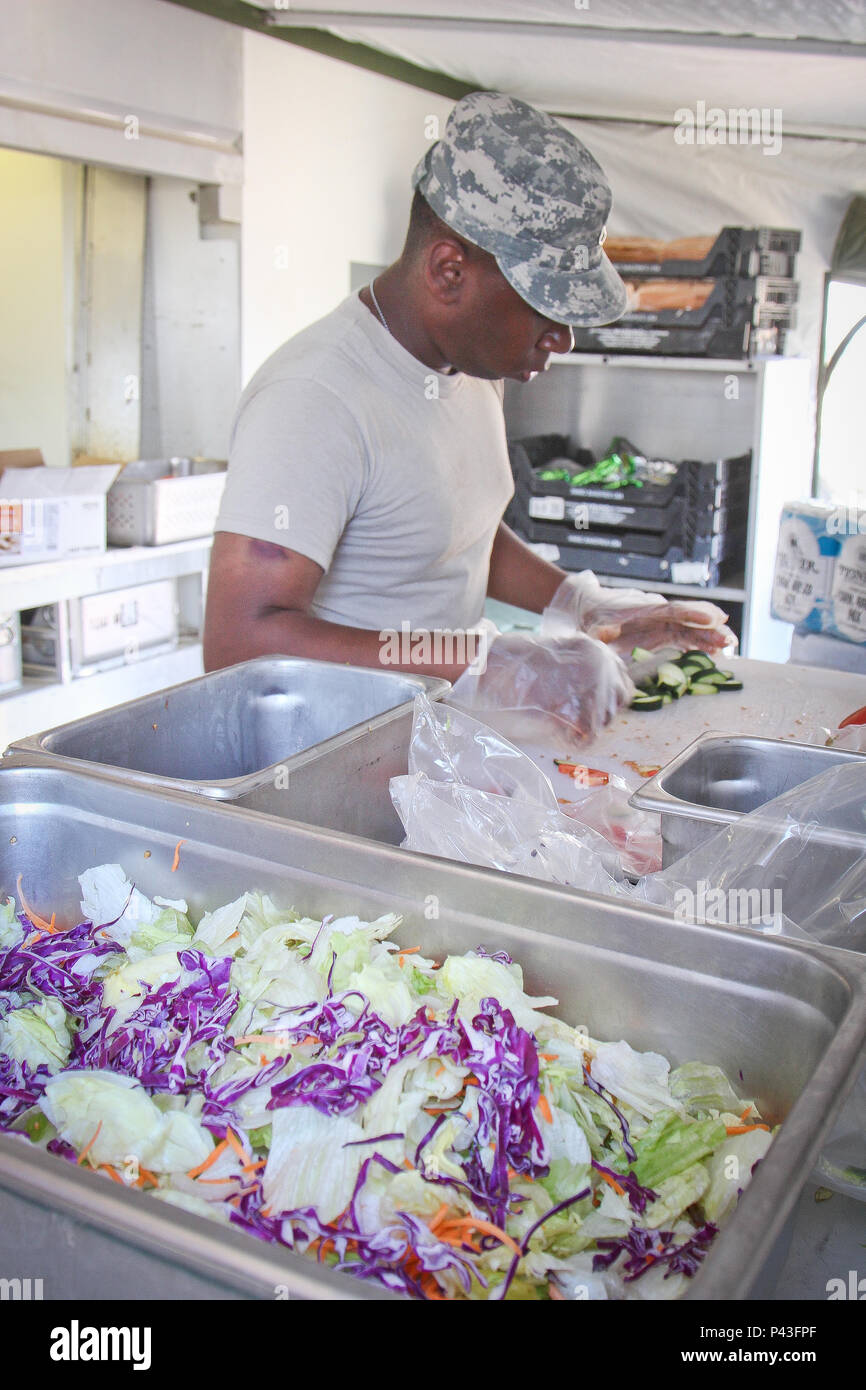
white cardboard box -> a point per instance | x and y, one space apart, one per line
49 513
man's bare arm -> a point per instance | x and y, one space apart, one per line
518 575
258 602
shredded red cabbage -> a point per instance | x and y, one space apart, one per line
645 1249
638 1196
154 1041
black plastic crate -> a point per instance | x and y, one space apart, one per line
704 474
661 569
535 452
631 542
708 340
728 302
716 522
592 514
738 251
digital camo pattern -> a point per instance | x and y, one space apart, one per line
518 184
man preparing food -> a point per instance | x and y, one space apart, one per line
369 467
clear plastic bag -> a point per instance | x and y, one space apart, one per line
795 866
472 795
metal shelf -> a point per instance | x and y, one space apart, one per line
682 364
731 593
31 586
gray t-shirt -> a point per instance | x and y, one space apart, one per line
391 476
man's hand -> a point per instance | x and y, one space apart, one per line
576 681
628 618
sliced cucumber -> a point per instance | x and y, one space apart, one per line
699 659
731 685
641 654
667 698
671 677
704 688
712 678
644 700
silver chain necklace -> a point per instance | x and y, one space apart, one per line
378 309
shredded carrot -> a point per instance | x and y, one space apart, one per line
265 1211
211 1158
145 1175
437 1219
232 1138
471 1081
745 1114
254 1166
89 1145
176 859
112 1173
30 912
325 1248
406 951
441 1109
475 1223
439 1071
744 1129
214 1182
612 1182
549 1056
407 1164
545 1108
233 935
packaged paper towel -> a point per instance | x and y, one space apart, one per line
847 612
803 582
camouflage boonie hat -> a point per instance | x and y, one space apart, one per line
515 182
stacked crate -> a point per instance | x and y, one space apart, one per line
734 295
683 523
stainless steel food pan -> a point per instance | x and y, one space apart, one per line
304 739
719 778
787 1022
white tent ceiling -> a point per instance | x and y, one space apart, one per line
621 60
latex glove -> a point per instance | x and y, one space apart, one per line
536 687
628 618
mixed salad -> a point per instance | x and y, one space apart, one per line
423 1124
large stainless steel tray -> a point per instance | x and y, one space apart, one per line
304 739
788 1020
719 778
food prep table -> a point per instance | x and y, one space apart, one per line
776 701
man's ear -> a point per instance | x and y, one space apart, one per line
446 269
